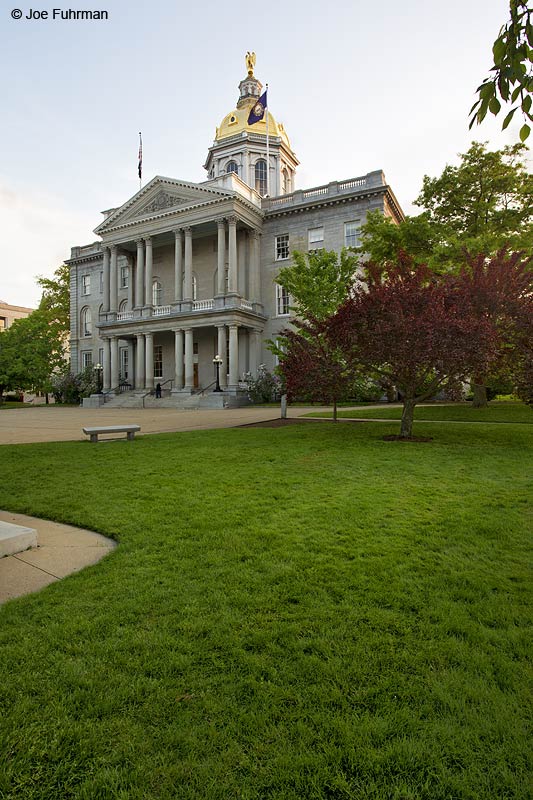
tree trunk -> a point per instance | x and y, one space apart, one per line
480 395
406 427
46 398
334 411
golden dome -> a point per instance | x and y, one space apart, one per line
236 122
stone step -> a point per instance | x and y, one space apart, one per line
15 538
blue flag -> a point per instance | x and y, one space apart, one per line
257 111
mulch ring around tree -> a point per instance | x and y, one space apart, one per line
393 438
282 423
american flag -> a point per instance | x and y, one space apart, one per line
140 168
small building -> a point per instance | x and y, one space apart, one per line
185 271
8 314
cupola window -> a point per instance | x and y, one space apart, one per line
232 167
261 177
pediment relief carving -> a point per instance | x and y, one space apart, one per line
161 201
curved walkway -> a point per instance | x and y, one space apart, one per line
60 424
61 550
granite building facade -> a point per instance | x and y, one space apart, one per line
186 271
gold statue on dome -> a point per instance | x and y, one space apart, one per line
250 63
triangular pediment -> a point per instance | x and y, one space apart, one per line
161 196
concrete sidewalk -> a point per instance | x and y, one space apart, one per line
62 550
59 424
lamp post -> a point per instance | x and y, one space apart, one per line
99 369
217 361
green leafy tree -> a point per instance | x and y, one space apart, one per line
318 282
512 71
33 348
479 206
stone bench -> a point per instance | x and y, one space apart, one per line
129 430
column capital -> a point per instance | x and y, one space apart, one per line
177 330
104 248
221 222
234 325
232 219
139 242
178 233
113 247
188 230
148 240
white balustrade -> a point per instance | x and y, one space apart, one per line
160 311
124 315
246 304
202 305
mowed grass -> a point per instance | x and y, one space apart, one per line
440 412
302 612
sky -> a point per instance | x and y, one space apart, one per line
359 86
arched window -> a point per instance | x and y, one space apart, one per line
100 315
194 287
86 322
261 177
157 293
123 305
232 166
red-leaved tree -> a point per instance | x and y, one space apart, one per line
412 328
312 366
501 289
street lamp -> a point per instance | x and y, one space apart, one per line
99 369
217 361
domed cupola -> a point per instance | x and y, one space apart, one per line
241 145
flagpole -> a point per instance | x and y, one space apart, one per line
140 167
268 159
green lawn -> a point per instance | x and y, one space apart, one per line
301 612
455 412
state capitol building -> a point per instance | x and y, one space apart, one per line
183 272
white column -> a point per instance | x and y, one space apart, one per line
148 274
113 279
149 358
242 241
233 356
139 361
130 283
189 361
178 265
188 264
114 362
178 357
106 278
254 283
223 355
221 257
254 337
232 255
139 275
107 365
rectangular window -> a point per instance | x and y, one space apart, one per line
101 282
351 233
124 276
86 358
315 237
101 356
124 359
282 301
158 361
282 247
86 284
3 324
